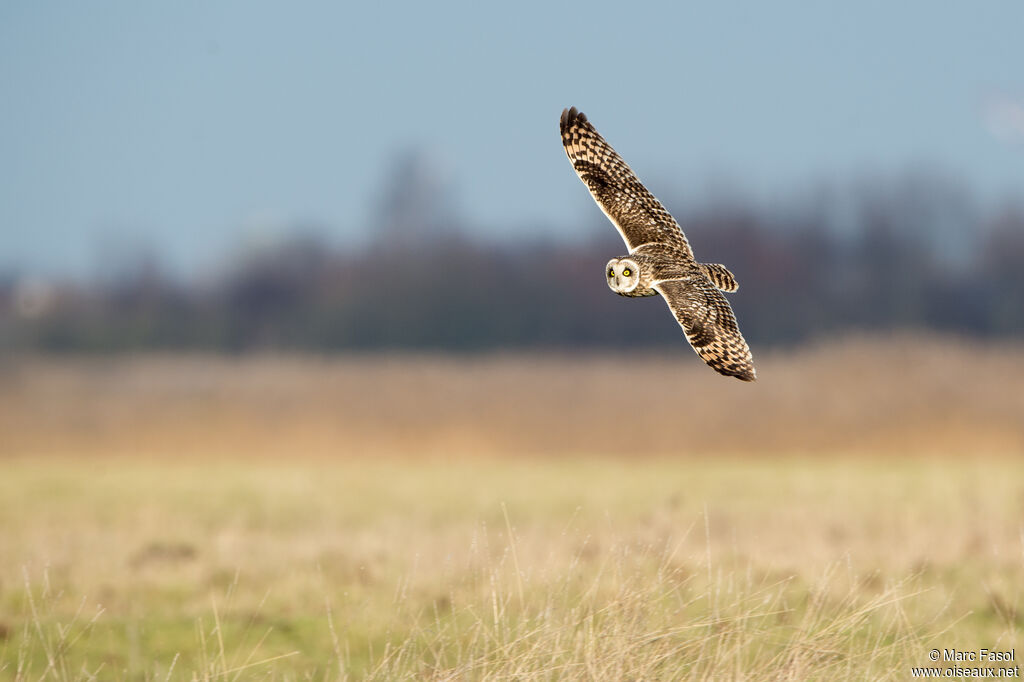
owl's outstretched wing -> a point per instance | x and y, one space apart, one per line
710 325
639 217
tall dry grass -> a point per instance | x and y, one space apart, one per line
874 395
482 568
528 517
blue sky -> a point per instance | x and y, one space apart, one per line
187 126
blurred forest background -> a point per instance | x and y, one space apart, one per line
913 251
390 187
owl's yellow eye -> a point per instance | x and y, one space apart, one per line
625 273
611 273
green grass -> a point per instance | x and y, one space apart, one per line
501 568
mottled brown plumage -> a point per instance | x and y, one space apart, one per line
660 259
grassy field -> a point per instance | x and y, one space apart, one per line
495 568
499 518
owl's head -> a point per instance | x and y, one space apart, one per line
623 275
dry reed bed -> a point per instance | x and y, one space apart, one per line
901 394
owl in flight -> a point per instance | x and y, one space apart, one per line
660 260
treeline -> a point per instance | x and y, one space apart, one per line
909 253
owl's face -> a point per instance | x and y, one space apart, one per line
623 275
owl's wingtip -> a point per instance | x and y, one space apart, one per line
571 116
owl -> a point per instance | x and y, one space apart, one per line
660 260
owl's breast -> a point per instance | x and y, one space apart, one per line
640 291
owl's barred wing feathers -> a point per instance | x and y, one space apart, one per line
639 217
710 325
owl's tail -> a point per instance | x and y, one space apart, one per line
720 276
